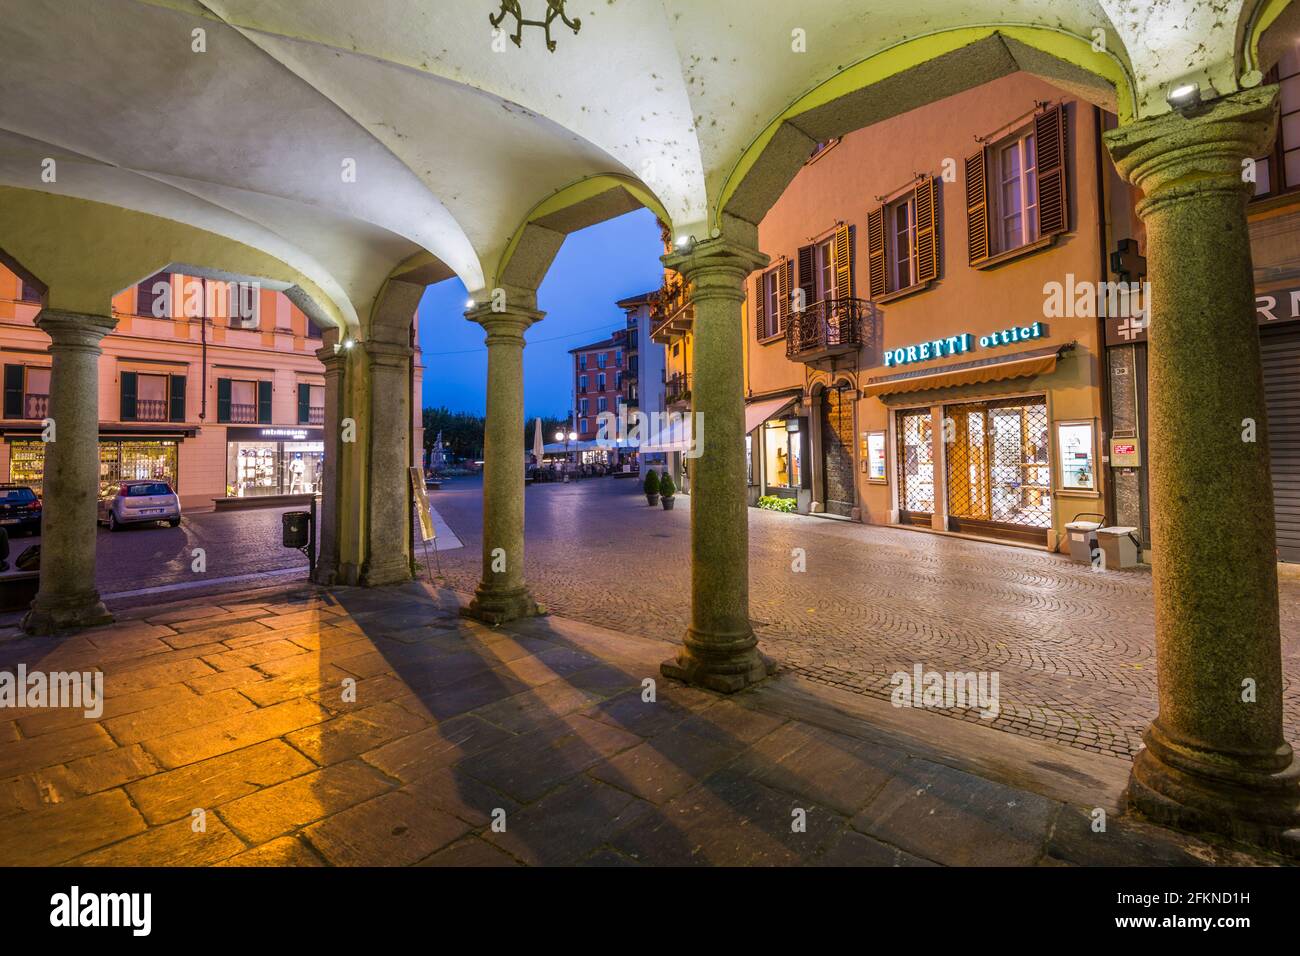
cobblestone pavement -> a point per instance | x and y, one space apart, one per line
1074 647
236 544
376 727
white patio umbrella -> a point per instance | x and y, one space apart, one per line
539 447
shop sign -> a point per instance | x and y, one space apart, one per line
275 433
1271 308
960 344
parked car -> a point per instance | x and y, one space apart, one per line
135 502
20 509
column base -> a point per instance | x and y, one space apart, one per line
499 607
726 664
1178 788
381 575
51 615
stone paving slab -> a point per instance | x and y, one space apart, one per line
378 728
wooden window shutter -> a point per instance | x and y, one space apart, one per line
1049 147
264 403
15 384
783 271
223 400
760 308
843 262
304 404
176 409
808 275
978 242
927 230
128 394
876 252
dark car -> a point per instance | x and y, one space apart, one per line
136 502
20 509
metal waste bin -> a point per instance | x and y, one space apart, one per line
294 528
1082 536
1120 548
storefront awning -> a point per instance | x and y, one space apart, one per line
129 430
1021 365
760 411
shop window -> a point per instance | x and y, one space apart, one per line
119 461
255 468
242 401
915 465
783 456
999 473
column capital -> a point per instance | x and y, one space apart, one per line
506 327
74 329
387 354
717 267
332 357
1175 156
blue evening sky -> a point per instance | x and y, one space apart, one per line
595 268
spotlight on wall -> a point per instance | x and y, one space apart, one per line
686 243
559 436
1184 96
347 343
469 303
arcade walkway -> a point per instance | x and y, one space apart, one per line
236 715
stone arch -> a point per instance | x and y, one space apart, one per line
537 240
1265 30
903 77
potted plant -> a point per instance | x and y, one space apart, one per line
666 491
651 487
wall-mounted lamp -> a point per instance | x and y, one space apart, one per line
1184 96
686 243
469 303
347 343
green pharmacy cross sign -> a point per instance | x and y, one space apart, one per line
554 8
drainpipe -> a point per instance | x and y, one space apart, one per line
203 360
1103 358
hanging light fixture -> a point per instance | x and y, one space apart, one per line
554 8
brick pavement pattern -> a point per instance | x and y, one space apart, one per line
353 727
1074 647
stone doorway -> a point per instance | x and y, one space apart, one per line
837 450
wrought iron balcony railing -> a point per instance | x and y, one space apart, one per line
671 312
677 388
830 327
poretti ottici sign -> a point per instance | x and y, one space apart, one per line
961 344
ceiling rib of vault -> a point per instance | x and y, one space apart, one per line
454 137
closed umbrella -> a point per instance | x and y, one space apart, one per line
539 447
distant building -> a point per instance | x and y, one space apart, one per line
645 366
601 382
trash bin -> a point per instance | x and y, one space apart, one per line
1120 547
294 528
1082 537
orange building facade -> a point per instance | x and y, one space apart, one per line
212 386
909 360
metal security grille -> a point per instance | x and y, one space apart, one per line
998 466
915 463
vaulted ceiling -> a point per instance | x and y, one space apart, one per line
457 135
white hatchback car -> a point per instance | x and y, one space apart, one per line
140 501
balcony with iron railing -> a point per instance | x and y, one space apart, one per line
316 415
150 410
243 414
671 312
677 388
830 328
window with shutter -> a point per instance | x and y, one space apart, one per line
127 394
152 295
14 391
783 275
876 271
807 276
760 307
927 230
264 403
900 241
977 208
842 258
176 397
1053 199
223 399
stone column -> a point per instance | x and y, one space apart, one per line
388 483
1215 757
721 651
67 596
502 594
327 562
